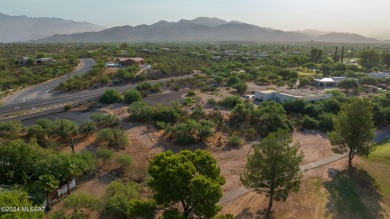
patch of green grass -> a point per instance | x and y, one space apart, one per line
378 165
306 74
381 153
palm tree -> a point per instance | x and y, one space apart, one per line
48 183
70 170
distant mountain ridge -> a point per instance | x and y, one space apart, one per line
199 29
203 29
22 28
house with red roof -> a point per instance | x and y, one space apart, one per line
129 61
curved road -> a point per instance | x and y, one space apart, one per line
42 91
41 97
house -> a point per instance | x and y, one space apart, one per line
23 60
290 95
328 82
129 61
44 60
379 75
142 51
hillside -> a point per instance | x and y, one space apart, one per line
200 29
22 28
345 37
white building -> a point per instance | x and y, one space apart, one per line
293 94
328 82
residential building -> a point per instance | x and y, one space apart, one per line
44 60
279 96
379 74
129 61
328 82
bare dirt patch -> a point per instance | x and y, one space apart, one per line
314 144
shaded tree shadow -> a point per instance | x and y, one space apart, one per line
247 214
355 197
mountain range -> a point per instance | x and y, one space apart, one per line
53 30
22 28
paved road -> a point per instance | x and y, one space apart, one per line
57 98
42 91
380 135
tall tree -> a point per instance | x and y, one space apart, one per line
353 130
48 183
369 59
273 168
191 179
70 170
348 84
342 55
315 55
386 61
298 60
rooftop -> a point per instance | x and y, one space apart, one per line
301 93
134 59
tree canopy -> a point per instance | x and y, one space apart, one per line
354 130
191 179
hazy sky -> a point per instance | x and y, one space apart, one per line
360 16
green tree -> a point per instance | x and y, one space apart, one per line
184 133
17 160
113 137
140 111
369 59
48 184
273 168
122 201
315 55
270 117
17 199
232 80
37 132
325 69
125 161
386 60
105 120
80 200
353 130
231 101
369 81
191 179
64 128
87 127
104 154
241 87
298 61
70 170
110 96
11 130
303 82
348 84
132 96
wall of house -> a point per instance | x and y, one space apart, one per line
264 96
281 97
